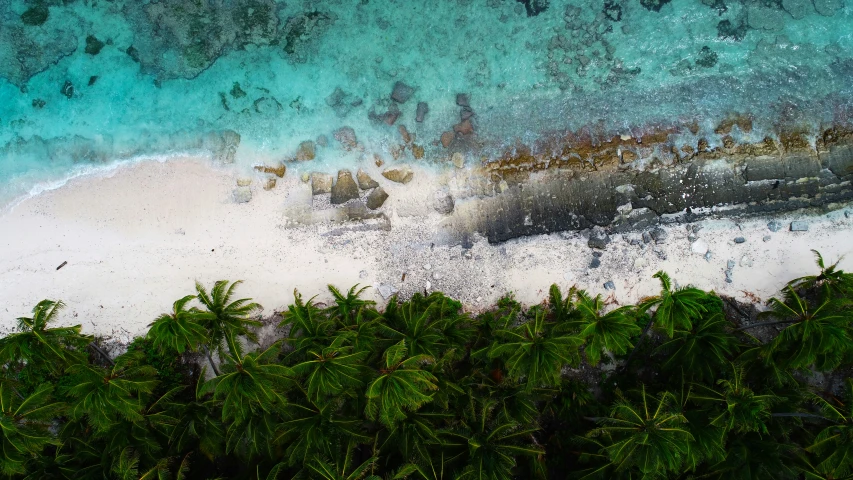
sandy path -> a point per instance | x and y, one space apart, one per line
138 238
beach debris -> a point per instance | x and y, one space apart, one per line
242 194
345 189
598 239
364 180
306 151
401 92
346 137
740 240
730 265
401 174
443 203
62 265
320 183
376 198
421 111
799 226
609 285
447 138
278 170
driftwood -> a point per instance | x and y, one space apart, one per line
62 265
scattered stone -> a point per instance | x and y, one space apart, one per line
774 226
35 15
730 265
407 137
278 171
401 92
446 138
93 45
598 239
799 226
345 189
740 240
462 100
364 180
242 194
699 247
244 182
635 241
692 238
746 261
597 254
133 53
320 183
647 238
386 291
443 203
67 89
463 128
640 263
376 198
659 235
609 285
848 214
458 160
421 111
270 184
465 114
322 141
38 103
595 263
766 238
417 151
399 174
346 137
93 79
660 253
708 256
306 151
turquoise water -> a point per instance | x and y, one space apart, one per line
85 84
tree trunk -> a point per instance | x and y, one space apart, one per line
764 324
639 342
210 359
102 352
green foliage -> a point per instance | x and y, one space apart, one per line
423 390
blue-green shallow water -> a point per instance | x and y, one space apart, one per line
86 83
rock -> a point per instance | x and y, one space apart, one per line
647 238
407 137
447 139
306 177
766 238
244 182
828 8
740 240
399 174
401 92
596 254
463 128
660 253
746 261
342 102
242 194
774 226
462 100
222 145
692 238
699 247
376 198
320 183
362 274
799 226
443 203
386 291
465 114
598 239
67 89
322 141
640 263
278 171
458 160
305 151
270 184
708 256
346 137
417 151
35 15
364 180
345 189
595 263
848 214
659 235
730 264
609 285
798 8
421 111
628 156
93 45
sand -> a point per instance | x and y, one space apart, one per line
137 238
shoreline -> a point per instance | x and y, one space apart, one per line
137 239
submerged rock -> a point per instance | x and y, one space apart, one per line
447 139
345 189
305 151
399 174
376 198
462 100
421 111
402 92
278 170
35 15
346 137
93 45
443 203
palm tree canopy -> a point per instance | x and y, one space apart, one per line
676 307
402 385
610 332
24 426
36 342
181 329
227 315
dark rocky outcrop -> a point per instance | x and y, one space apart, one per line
345 189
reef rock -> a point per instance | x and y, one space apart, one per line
320 183
364 180
376 198
399 174
346 137
222 145
447 139
342 102
24 55
443 203
421 112
345 189
401 92
306 151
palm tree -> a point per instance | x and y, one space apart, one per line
676 307
653 440
106 395
341 468
346 307
310 327
411 322
35 343
834 444
226 316
819 337
703 351
331 371
25 426
401 386
609 332
181 329
829 282
536 352
743 411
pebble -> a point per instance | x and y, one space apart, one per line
386 291
699 247
661 254
609 285
740 240
774 226
595 263
427 266
708 256
436 276
596 254
362 274
799 226
766 238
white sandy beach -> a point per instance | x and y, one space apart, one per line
139 237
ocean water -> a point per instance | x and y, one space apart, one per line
85 84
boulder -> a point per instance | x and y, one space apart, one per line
443 203
305 151
458 160
404 133
609 285
345 189
421 111
462 100
376 198
346 137
447 139
417 151
659 235
320 183
774 226
278 170
399 174
401 92
598 239
364 180
242 194
799 226
464 127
